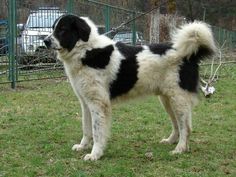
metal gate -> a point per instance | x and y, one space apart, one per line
24 25
23 55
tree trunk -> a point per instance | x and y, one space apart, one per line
155 26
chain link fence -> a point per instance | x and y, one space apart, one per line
25 23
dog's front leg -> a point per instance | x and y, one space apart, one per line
87 128
101 119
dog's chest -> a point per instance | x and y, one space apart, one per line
87 80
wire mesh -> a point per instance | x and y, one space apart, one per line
33 23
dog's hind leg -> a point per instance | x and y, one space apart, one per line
181 107
87 128
173 138
101 120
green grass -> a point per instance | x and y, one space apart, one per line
40 121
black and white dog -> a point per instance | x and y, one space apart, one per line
101 70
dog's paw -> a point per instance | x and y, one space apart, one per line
174 152
179 150
91 157
168 141
165 141
78 147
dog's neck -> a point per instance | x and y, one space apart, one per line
73 59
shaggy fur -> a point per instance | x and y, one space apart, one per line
101 70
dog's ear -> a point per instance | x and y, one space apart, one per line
82 28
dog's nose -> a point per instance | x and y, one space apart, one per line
47 42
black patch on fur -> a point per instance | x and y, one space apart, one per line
98 58
128 50
128 71
161 48
189 70
69 29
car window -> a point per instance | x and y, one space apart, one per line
123 36
42 20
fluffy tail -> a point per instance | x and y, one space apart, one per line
193 39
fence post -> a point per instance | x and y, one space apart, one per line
107 18
204 14
233 39
230 40
12 42
70 5
134 30
224 38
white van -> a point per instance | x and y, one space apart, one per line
37 27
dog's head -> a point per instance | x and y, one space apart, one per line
67 31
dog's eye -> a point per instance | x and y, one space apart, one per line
62 31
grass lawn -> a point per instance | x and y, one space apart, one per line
40 121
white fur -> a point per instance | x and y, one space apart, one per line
190 36
156 75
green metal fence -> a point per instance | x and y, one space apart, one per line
23 26
224 37
27 25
